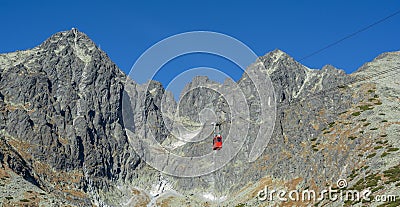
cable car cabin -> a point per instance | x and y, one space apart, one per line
217 142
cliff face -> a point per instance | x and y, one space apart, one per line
61 115
307 101
69 119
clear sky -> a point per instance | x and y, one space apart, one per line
125 29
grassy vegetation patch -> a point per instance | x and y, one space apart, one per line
393 149
377 189
378 147
392 174
371 181
353 175
365 107
366 124
356 113
384 154
352 137
393 171
373 129
371 155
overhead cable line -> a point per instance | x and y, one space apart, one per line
351 35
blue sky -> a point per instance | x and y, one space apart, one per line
125 29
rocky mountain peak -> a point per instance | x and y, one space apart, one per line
65 139
278 60
196 84
290 78
70 117
70 37
200 79
276 54
74 44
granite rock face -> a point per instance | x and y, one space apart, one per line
292 83
70 121
61 111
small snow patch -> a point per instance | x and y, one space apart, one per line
211 197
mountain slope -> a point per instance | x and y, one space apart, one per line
61 111
68 118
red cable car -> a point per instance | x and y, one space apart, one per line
217 142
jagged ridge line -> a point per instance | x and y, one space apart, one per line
334 88
319 93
